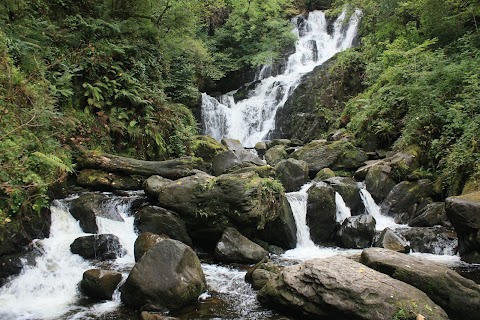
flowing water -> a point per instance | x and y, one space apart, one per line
251 119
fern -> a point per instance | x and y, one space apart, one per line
53 161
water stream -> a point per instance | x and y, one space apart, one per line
251 119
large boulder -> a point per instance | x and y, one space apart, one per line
100 284
458 296
234 247
161 221
168 276
245 201
336 155
261 273
464 214
391 240
293 174
146 241
232 159
275 154
356 232
206 147
108 181
406 198
321 212
98 246
432 215
350 192
340 288
232 144
154 185
434 240
88 207
379 181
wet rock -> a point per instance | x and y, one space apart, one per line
12 265
458 296
155 282
337 155
234 247
145 242
261 273
232 144
275 154
275 250
391 240
293 174
98 246
433 214
155 316
161 221
88 207
321 212
100 284
464 214
356 232
431 240
379 182
406 198
340 288
350 192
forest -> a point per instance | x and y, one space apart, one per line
125 77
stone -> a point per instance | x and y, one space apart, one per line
225 161
293 174
155 316
432 215
207 148
168 276
350 192
324 174
98 246
391 240
161 221
356 232
336 155
321 212
108 181
234 247
261 273
145 241
100 284
280 142
340 288
232 144
464 214
261 148
154 184
275 154
379 182
458 296
88 207
406 198
435 240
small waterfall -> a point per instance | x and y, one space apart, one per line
343 212
49 289
251 119
298 203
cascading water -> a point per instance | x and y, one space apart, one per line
251 119
343 212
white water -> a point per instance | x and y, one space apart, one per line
343 212
251 119
49 289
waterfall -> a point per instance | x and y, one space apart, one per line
343 212
298 203
251 119
49 288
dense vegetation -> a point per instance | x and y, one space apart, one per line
422 62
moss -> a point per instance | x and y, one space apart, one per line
206 147
324 174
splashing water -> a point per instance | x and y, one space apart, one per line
343 212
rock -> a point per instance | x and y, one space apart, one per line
356 232
391 240
458 296
207 148
403 163
161 221
262 171
337 155
12 265
280 142
245 201
234 247
100 284
145 242
261 273
324 174
431 240
433 214
350 192
464 214
98 246
261 148
379 182
275 154
88 207
321 212
406 198
227 160
293 174
157 282
275 250
155 316
232 144
154 184
340 288
108 181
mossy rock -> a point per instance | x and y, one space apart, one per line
324 174
207 148
108 181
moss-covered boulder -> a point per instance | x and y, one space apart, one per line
379 182
275 154
340 288
207 148
293 174
336 155
321 212
154 184
261 273
350 192
233 159
464 214
324 174
108 181
245 201
458 296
